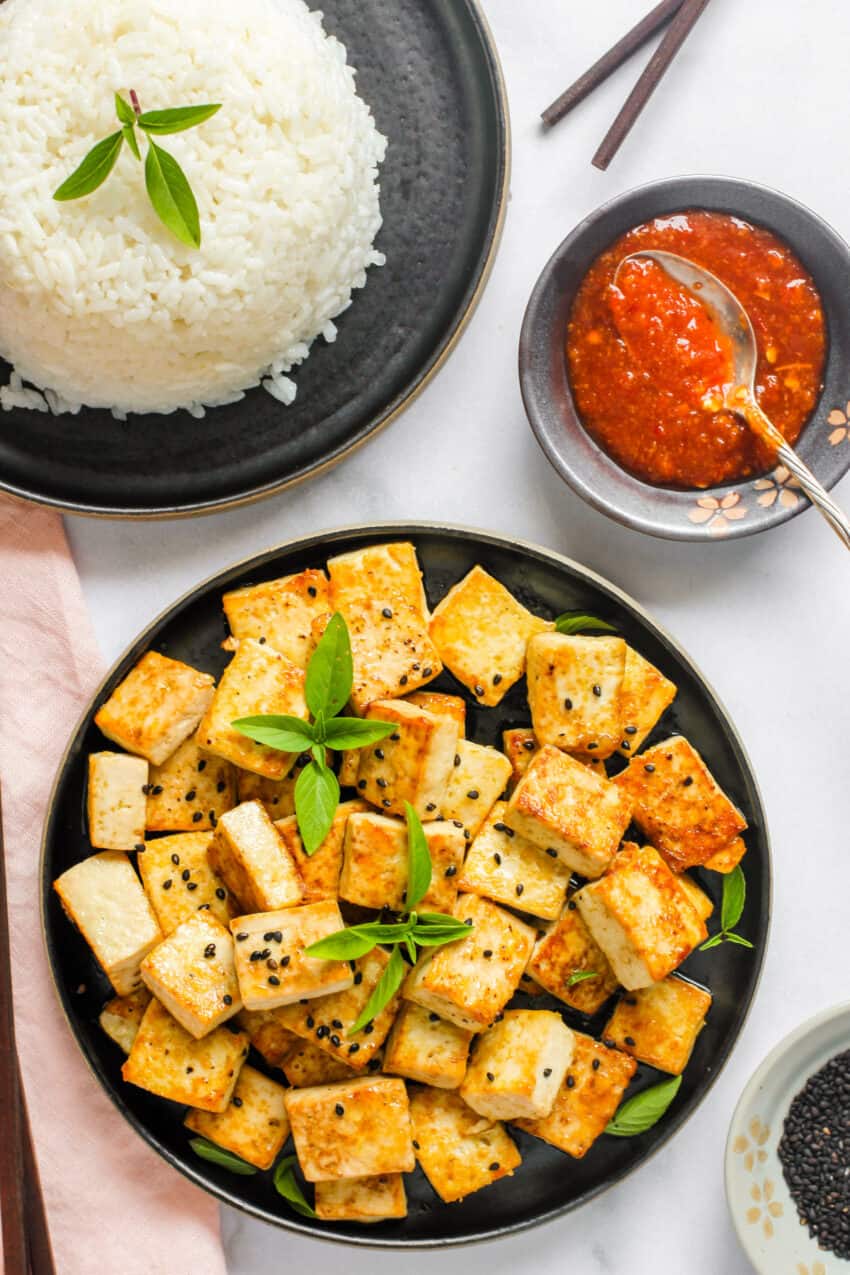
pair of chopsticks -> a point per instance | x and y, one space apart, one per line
26 1241
682 16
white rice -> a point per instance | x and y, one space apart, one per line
99 303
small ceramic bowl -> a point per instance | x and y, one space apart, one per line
763 1212
735 509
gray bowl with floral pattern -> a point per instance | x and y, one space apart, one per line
734 509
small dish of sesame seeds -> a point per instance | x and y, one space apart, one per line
788 1153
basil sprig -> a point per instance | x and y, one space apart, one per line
286 1185
644 1110
167 185
731 910
580 976
577 622
224 1159
327 688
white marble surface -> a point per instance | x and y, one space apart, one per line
761 91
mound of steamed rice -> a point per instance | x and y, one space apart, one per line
99 304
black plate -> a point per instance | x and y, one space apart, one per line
430 73
548 1182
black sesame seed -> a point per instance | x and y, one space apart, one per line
529 745
213 818
630 1041
497 858
479 691
227 998
553 854
592 747
497 677
431 806
387 613
220 786
415 1145
241 936
166 885
352 1049
571 1083
687 781
157 790
609 1043
262 641
568 703
571 906
189 1070
322 1032
379 753
368 1029
272 934
311 589
220 893
284 961
624 743
597 691
402 681
547 1071
631 730
451 870
468 921
433 1018
426 672
191 885
596 1064
487 953
385 801
381 782
191 794
473 794
519 889
361 784
374 1064
335 1041
395 737
458 823
202 765
494 1167
237 1102
649 768
209 950
310 1021
274 980
358 978
335 1022
467 835
255 956
197 816
203 907
175 858
271 963
490 1076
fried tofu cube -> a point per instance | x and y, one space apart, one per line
104 898
166 1060
659 1025
458 1150
678 805
115 800
279 613
248 852
424 1047
349 765
353 1129
568 949
255 1124
379 592
307 1065
179 881
156 707
587 1100
189 792
192 974
727 859
561 805
412 764
640 917
276 796
518 1064
375 863
258 680
482 632
376 1199
327 1020
441 705
268 1035
320 870
503 866
271 965
575 692
646 696
471 980
697 897
519 746
120 1017
476 781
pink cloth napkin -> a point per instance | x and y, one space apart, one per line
113 1205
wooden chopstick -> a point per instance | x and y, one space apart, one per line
40 1252
610 61
675 36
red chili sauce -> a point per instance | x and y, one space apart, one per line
648 363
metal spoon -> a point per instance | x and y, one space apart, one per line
739 396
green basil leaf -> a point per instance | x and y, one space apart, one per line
580 976
385 989
438 918
734 898
418 859
224 1159
177 119
316 800
171 195
644 1110
411 948
736 938
357 940
130 138
578 622
94 169
289 734
355 732
330 673
124 110
287 1186
714 941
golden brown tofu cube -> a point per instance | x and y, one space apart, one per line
327 1020
441 705
192 974
248 852
375 863
320 870
116 800
424 1047
189 792
179 881
104 898
477 779
518 1064
698 899
678 804
412 764
156 707
120 1017
279 613
276 796
459 1150
561 805
519 746
565 951
503 866
255 1124
471 980
574 691
353 1129
727 859
258 680
482 632
646 696
376 1199
640 917
307 1065
271 964
379 592
593 1088
166 1060
268 1036
349 764
659 1025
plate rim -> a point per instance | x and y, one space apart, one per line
409 529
